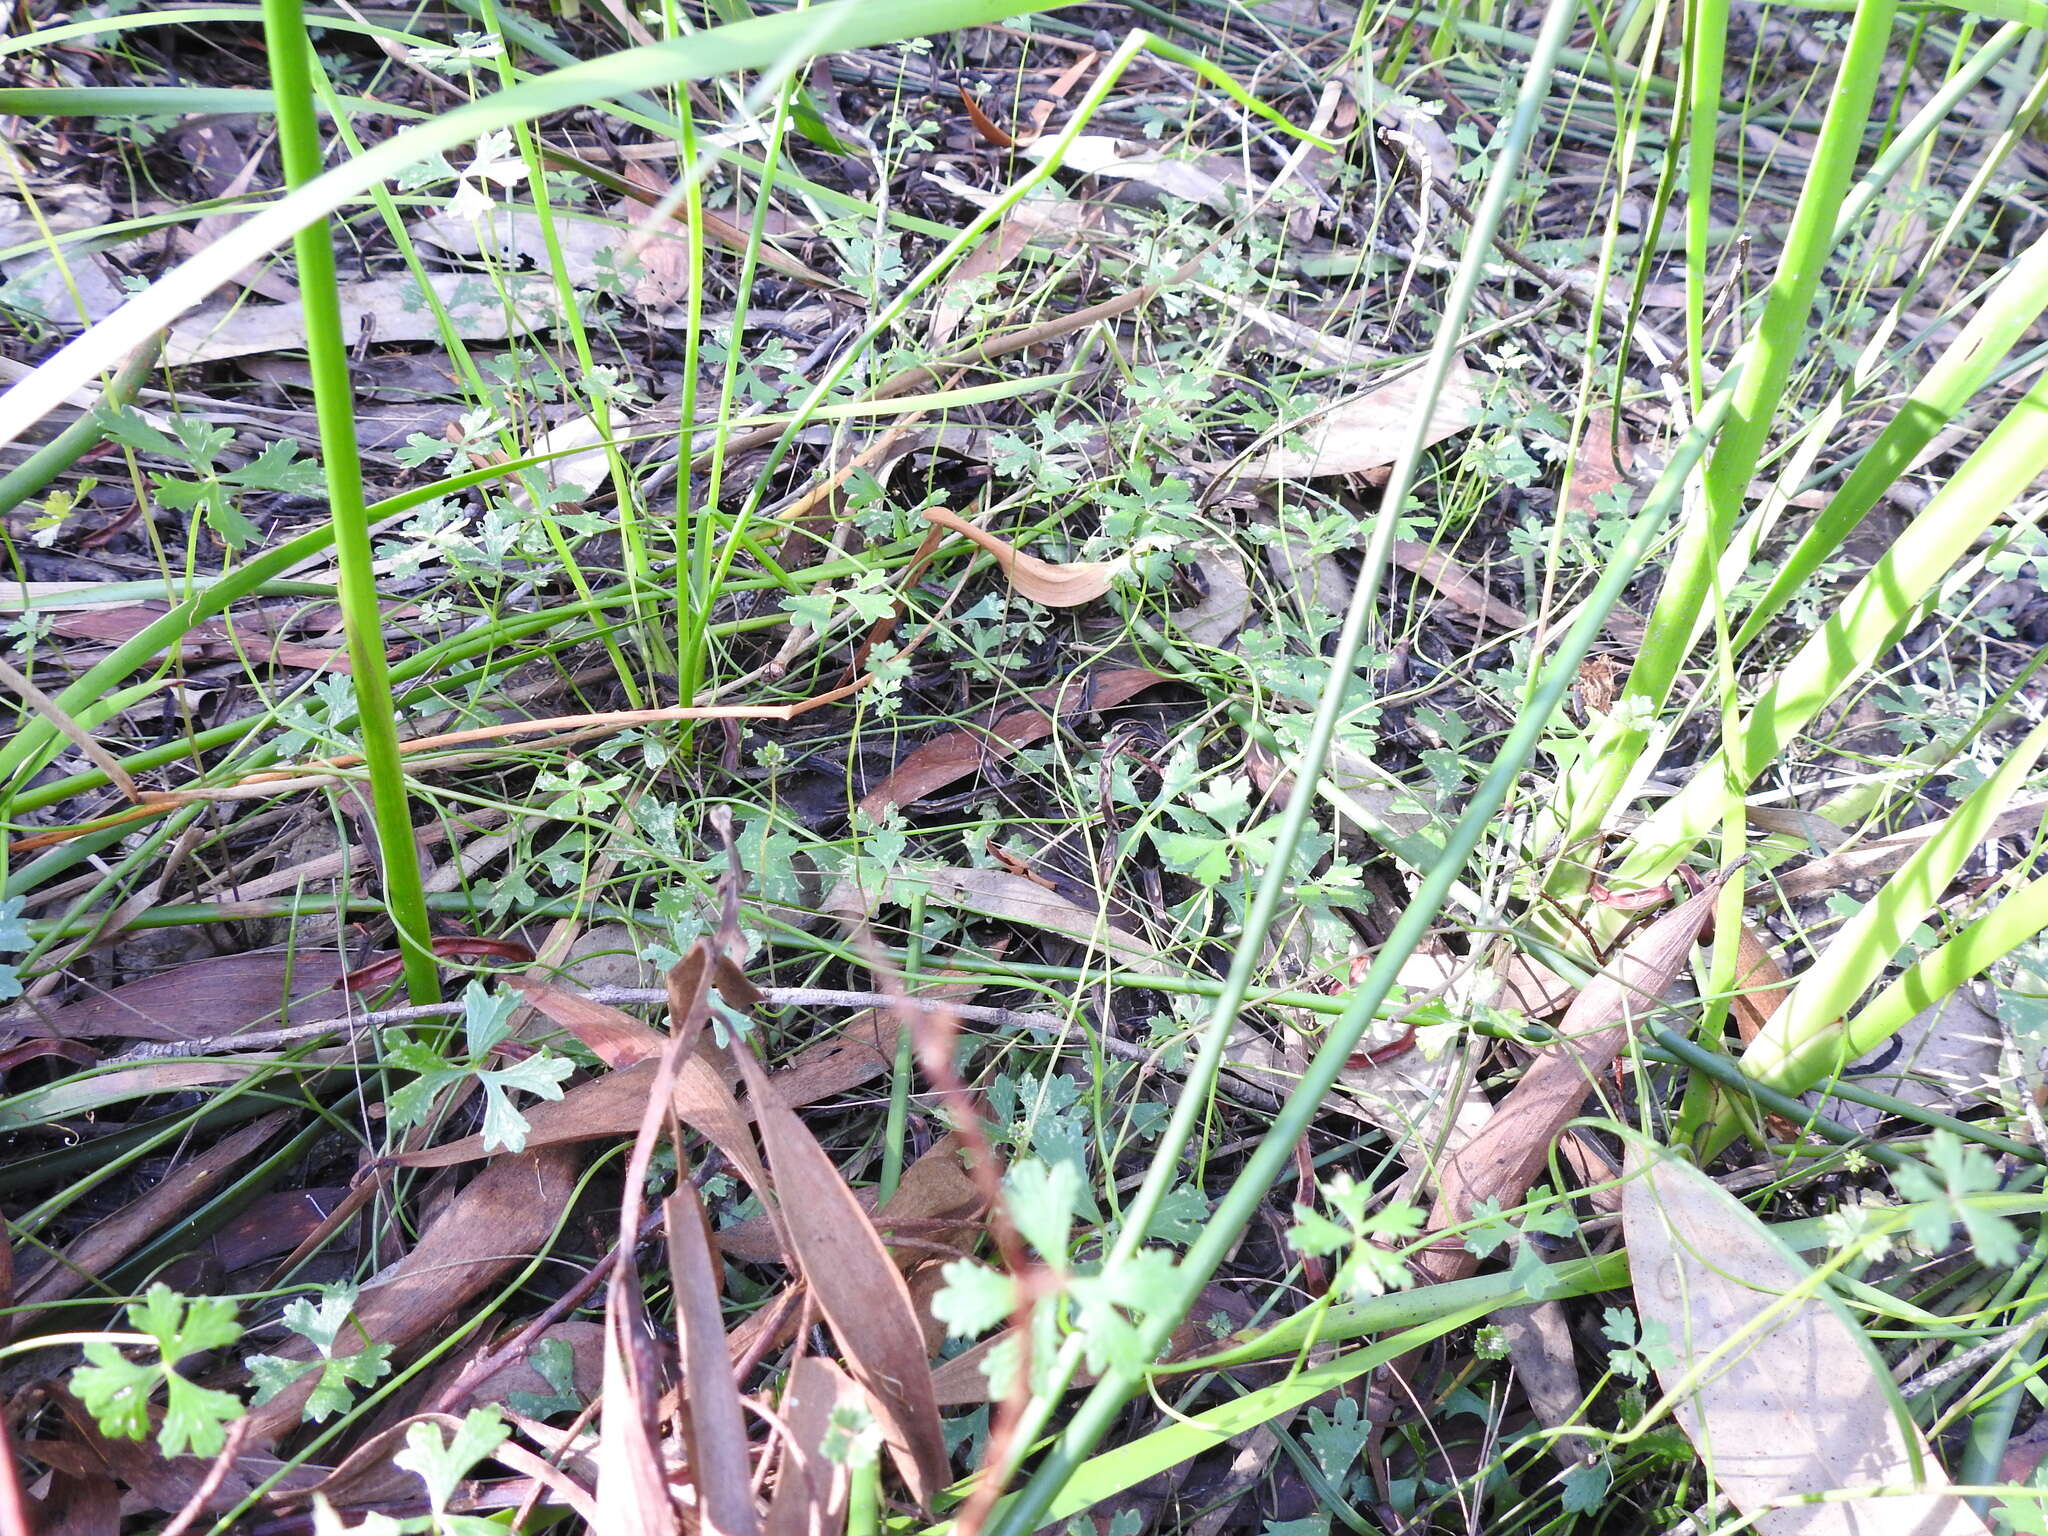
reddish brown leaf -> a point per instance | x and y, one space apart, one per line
664 258
602 1107
273 1224
214 640
1760 983
647 187
989 132
87 1505
945 759
862 1051
74 1051
500 1220
719 1453
632 1481
857 1287
1596 468
153 1480
632 1486
207 1000
615 1037
386 969
810 1488
936 1204
937 1201
1501 1161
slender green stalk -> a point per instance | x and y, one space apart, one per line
693 531
2017 917
1766 361
1999 473
465 365
1804 1042
1991 1425
68 446
904 1067
1725 1072
1092 1418
284 29
1705 57
632 540
1936 399
1401 1320
694 608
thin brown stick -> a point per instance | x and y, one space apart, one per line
209 1485
616 997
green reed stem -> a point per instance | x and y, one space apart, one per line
1092 1418
284 29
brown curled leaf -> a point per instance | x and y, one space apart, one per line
998 732
1054 586
983 125
1503 1159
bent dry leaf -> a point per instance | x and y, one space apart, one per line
1054 586
206 1000
1444 573
1209 180
1780 1392
612 1104
386 308
1013 898
998 732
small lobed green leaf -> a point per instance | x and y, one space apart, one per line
1042 1200
196 1418
116 1391
974 1299
443 1464
184 1327
271 1374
